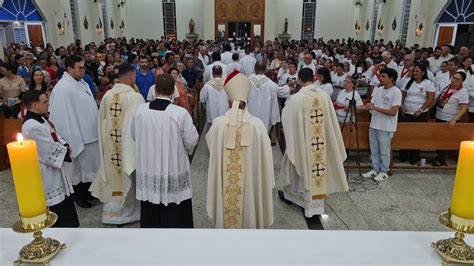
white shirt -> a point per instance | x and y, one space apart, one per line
402 74
441 81
283 80
416 95
338 80
385 99
163 140
451 108
435 64
327 88
311 66
214 98
151 96
392 65
342 100
248 63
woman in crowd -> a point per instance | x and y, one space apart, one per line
418 95
53 69
343 98
324 80
11 88
452 104
182 100
38 81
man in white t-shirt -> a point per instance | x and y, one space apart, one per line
435 61
384 105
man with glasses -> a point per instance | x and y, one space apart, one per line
74 112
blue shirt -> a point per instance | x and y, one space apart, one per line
23 72
190 76
144 82
90 82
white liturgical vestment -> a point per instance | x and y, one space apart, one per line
114 184
215 99
51 153
263 99
74 112
251 165
312 166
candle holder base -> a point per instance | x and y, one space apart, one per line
40 251
455 250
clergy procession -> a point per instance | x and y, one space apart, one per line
125 134
234 125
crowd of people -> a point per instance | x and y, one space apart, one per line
392 82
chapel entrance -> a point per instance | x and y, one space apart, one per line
240 20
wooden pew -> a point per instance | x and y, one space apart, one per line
8 130
427 136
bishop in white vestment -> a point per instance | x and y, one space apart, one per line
53 154
74 112
263 98
115 181
312 166
164 136
213 96
240 178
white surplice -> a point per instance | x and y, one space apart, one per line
257 209
114 182
74 112
248 64
163 140
263 101
215 99
208 71
57 186
299 169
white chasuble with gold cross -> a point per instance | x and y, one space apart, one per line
312 166
117 151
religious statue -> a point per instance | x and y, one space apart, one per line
286 26
191 26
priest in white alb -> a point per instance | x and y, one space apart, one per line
115 181
240 178
263 98
213 96
312 165
73 110
164 136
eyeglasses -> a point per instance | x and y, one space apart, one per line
458 79
81 68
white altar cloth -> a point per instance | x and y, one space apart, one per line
87 246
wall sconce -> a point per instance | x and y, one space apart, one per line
419 30
418 27
357 28
121 4
60 28
358 3
98 27
121 27
380 27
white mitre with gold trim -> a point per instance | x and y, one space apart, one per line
237 87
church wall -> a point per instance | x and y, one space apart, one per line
292 10
114 13
54 13
208 20
270 19
187 9
427 12
334 19
363 14
387 12
92 11
143 19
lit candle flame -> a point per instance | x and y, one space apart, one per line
19 138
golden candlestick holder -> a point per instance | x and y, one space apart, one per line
41 250
455 250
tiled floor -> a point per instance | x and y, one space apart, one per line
408 200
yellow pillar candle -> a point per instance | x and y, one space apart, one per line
462 202
27 177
